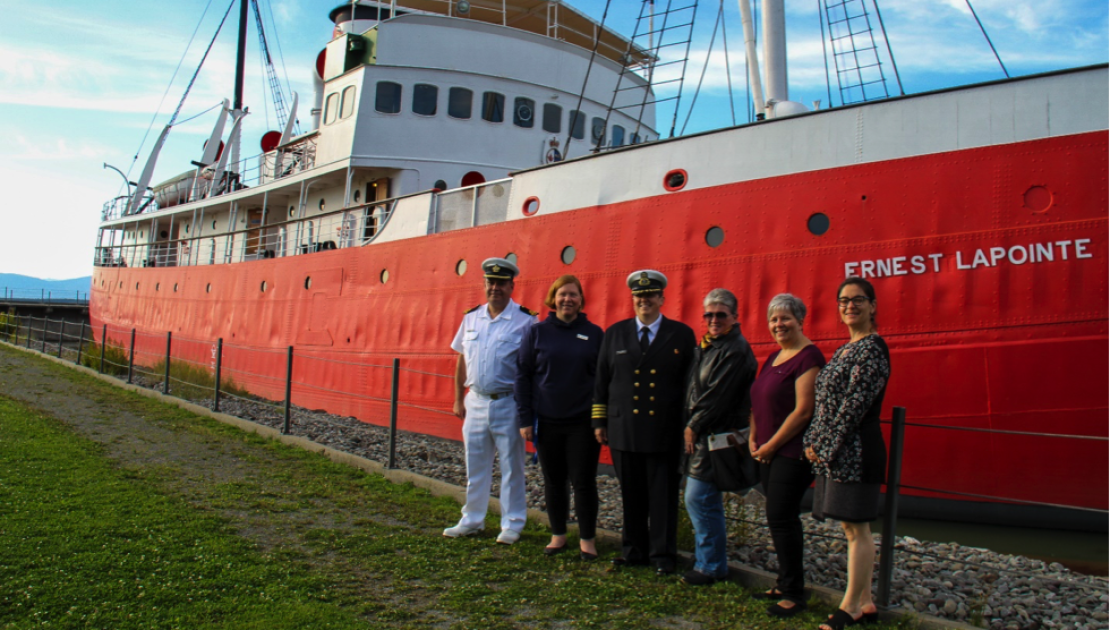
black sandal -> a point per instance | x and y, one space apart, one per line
840 620
774 593
782 612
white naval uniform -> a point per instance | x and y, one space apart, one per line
489 347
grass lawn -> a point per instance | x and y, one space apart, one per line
134 514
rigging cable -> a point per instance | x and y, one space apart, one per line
708 54
281 56
890 52
578 109
988 38
194 116
728 66
168 86
825 51
189 87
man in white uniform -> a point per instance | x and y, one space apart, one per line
487 343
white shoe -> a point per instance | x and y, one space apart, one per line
460 530
508 537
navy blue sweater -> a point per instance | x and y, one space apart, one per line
555 369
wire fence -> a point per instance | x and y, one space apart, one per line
287 384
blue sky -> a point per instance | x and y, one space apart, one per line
81 82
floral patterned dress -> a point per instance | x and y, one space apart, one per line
845 433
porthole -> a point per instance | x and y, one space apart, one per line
497 190
511 257
531 206
321 204
714 236
460 267
675 180
120 285
208 288
213 225
568 254
385 276
136 286
818 224
186 228
308 282
263 287
175 287
358 196
142 234
157 286
440 185
292 212
1037 199
163 234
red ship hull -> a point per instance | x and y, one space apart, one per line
990 266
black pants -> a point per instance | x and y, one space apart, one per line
785 480
649 491
569 450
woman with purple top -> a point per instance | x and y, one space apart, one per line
782 405
556 365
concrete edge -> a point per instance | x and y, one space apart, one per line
747 576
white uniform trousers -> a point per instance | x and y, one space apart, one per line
490 425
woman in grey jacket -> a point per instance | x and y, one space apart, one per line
717 400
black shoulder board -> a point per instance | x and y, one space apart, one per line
473 309
525 309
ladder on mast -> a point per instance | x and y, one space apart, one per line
858 65
652 41
281 109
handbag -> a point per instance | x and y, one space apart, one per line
734 470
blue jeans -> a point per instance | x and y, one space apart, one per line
707 513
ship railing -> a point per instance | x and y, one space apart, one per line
471 206
13 296
387 404
354 226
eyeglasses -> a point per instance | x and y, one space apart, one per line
857 301
717 315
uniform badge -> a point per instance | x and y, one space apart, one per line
495 269
644 279
583 337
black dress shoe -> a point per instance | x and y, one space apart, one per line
551 551
587 556
782 612
664 569
625 562
697 578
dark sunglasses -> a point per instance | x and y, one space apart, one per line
712 316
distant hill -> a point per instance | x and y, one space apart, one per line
16 281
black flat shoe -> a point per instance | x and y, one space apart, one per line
697 578
586 556
663 569
552 551
782 612
624 562
774 593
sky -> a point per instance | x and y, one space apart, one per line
83 84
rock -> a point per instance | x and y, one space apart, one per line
949 607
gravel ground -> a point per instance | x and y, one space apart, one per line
946 580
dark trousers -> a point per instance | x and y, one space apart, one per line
785 480
568 451
649 491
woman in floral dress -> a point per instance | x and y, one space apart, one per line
845 444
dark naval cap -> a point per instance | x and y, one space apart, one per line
646 281
499 269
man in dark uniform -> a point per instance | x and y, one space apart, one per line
638 412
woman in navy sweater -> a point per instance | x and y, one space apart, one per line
554 389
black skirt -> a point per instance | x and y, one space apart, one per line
850 502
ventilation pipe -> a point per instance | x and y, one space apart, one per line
753 60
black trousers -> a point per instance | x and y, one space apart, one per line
568 451
785 480
649 490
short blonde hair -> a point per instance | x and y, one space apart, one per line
561 282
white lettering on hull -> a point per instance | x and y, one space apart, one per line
1033 253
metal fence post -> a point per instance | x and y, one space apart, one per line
219 366
80 343
18 323
103 345
30 322
392 462
166 381
131 358
890 509
45 321
288 390
61 336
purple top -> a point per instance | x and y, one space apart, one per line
774 396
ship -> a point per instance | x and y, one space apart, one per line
445 132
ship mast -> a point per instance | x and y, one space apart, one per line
237 110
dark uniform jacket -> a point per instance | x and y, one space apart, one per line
718 395
638 397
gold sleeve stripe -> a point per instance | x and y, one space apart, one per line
600 411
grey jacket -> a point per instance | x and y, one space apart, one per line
718 395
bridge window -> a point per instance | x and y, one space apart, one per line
552 118
424 99
493 107
617 138
577 122
348 104
388 98
331 108
459 103
524 112
597 131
